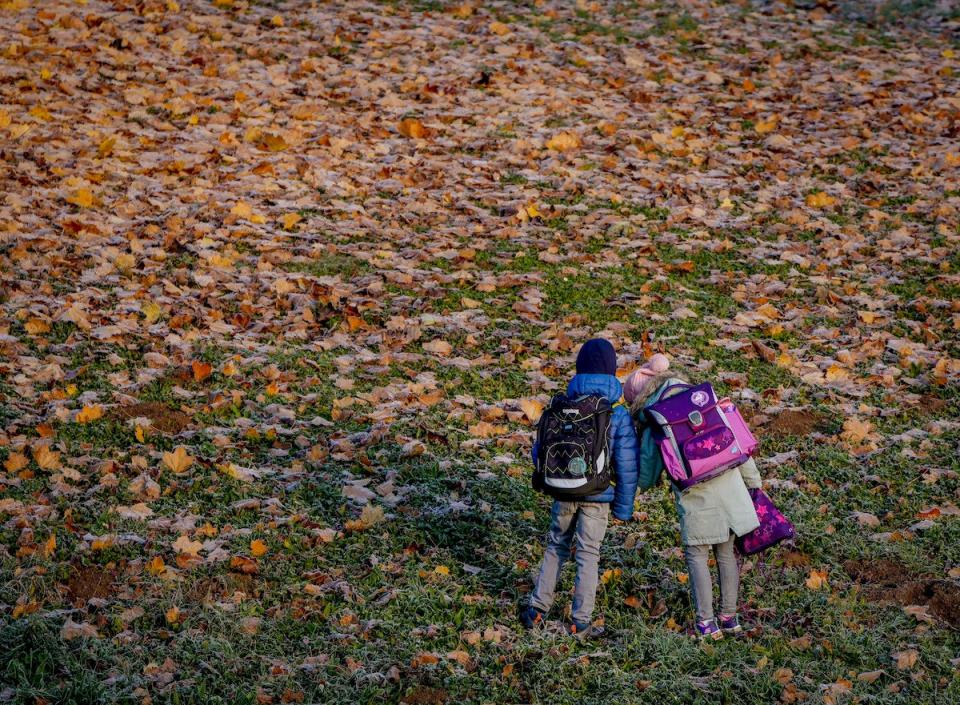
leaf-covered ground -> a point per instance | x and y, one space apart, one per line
285 283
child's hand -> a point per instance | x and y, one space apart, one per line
617 522
640 516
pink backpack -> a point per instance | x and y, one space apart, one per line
699 436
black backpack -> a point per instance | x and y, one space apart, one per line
573 454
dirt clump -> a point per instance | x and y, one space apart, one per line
879 572
88 582
162 418
888 582
795 422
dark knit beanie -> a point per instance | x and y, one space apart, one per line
597 356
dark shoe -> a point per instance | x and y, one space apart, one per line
584 630
531 617
730 625
708 630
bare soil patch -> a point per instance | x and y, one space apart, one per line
162 417
87 582
886 581
795 423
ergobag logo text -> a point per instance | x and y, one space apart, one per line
573 458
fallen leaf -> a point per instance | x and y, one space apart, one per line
201 370
820 199
15 462
905 659
438 347
179 461
185 545
412 128
72 630
817 580
564 142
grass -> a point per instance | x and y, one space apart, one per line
326 384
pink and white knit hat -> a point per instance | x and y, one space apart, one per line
635 384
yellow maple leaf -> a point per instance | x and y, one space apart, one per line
89 413
242 209
532 409
764 126
179 460
610 574
41 113
47 459
272 142
441 570
102 543
155 566
817 580
49 546
820 199
185 545
172 615
81 197
105 148
36 326
151 312
499 28
258 547
288 220
5 119
564 142
15 462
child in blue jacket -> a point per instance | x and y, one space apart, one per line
582 524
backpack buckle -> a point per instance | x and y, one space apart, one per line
695 418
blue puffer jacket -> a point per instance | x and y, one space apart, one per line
623 443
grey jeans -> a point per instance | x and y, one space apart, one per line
581 525
701 583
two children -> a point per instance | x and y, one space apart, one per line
711 513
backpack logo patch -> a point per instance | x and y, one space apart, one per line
699 398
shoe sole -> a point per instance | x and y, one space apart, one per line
716 636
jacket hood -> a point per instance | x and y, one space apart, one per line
593 383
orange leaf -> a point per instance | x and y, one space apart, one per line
412 128
15 462
201 370
258 547
247 566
